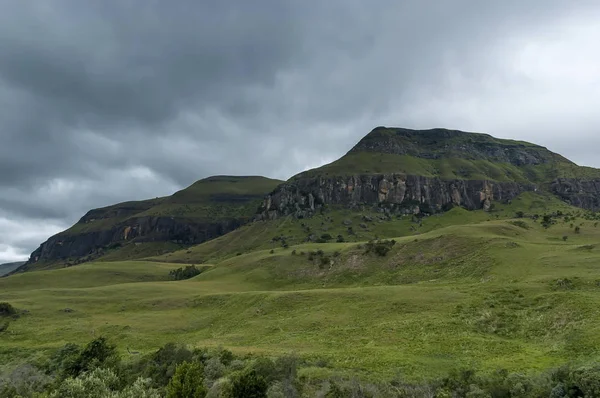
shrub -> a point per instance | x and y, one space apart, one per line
520 214
380 247
326 237
188 272
577 230
340 239
565 237
97 354
161 365
187 382
249 384
6 309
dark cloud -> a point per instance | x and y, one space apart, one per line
115 100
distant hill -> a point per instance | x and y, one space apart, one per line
7 268
207 209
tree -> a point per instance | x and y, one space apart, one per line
187 382
99 353
249 384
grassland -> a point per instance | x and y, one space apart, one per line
463 289
209 199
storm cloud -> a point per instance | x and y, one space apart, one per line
106 101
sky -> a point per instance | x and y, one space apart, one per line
114 100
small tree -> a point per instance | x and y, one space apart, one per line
249 385
187 382
577 230
565 238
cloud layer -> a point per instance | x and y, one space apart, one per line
117 100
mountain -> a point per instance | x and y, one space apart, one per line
7 268
400 171
208 208
433 170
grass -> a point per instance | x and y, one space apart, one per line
466 289
212 198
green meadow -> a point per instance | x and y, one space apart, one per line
459 290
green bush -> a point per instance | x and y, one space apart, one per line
249 384
380 247
99 353
187 382
188 272
6 310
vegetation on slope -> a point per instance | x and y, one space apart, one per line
212 198
508 293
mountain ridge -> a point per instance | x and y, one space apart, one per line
206 209
438 168
402 170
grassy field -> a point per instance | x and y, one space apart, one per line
465 289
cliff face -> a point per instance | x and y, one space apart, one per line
303 196
584 193
433 169
142 229
207 209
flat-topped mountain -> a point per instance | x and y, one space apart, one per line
402 170
435 169
208 208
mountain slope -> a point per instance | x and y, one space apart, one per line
435 169
205 210
7 268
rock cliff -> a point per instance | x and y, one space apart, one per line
432 170
303 196
207 209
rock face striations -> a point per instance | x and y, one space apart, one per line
431 170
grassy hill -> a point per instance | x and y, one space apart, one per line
461 289
208 208
450 155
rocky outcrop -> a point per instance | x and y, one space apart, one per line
582 193
92 244
303 196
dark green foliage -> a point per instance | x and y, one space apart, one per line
188 272
265 368
380 247
98 353
565 237
6 309
577 230
161 365
249 384
547 221
225 356
326 237
63 360
520 214
340 239
335 391
187 382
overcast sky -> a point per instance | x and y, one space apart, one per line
106 101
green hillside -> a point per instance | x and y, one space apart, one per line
450 155
212 198
465 289
207 209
